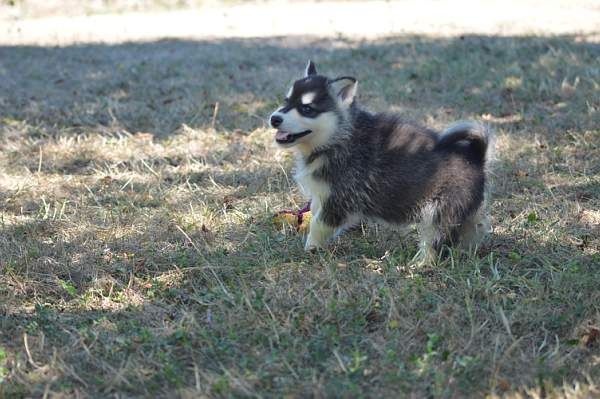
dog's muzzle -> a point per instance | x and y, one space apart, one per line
283 137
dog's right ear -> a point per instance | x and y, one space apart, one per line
344 89
310 69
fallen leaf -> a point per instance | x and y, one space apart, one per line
373 318
106 180
503 384
590 337
228 201
584 196
139 264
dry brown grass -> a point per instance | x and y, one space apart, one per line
139 257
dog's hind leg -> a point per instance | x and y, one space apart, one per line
431 236
441 226
475 227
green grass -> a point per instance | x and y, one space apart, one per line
139 256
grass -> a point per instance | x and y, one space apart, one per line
139 257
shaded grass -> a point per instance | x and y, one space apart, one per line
138 254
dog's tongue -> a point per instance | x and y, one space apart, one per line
282 135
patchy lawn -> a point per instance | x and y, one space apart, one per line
138 255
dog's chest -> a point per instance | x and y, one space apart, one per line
316 189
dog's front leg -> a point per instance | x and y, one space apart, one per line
319 233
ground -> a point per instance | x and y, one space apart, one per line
138 180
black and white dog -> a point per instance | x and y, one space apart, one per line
355 165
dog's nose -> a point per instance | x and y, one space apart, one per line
276 120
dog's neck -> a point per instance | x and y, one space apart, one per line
315 154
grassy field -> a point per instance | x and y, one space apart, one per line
139 258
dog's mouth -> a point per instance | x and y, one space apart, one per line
283 137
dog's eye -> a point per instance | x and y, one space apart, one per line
307 110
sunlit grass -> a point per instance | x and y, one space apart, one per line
139 257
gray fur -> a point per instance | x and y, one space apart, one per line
383 167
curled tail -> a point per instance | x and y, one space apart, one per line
477 134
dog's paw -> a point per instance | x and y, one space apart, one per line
311 246
310 250
425 257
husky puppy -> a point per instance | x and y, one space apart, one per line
355 165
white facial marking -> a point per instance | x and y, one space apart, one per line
293 122
324 126
308 98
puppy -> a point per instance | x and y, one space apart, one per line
358 166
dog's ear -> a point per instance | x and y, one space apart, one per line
310 69
345 89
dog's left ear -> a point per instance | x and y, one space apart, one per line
345 89
310 69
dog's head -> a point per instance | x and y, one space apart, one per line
312 109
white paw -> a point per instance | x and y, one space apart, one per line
310 248
425 257
312 245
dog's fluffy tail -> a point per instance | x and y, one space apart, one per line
479 135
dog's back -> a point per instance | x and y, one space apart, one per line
397 171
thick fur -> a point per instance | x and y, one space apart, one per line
472 132
381 167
